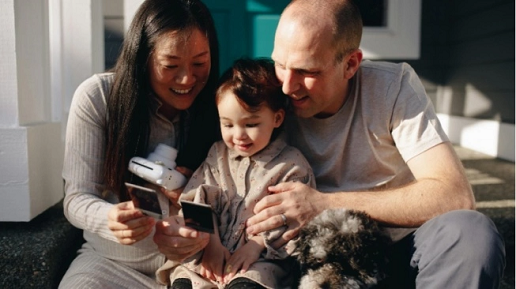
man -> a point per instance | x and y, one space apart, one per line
371 135
374 141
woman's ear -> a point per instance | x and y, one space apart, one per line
352 64
279 116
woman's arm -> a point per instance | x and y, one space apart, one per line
86 204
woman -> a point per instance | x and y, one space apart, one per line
161 91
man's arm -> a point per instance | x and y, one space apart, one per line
440 186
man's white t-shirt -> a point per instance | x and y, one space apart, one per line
386 120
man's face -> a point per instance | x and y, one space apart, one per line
305 64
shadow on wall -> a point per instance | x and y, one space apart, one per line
466 66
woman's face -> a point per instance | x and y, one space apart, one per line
179 68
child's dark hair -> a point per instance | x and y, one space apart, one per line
254 83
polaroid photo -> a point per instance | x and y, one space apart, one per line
146 200
198 216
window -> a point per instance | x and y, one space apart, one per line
393 34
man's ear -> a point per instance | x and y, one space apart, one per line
279 116
352 64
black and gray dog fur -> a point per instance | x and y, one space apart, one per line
341 249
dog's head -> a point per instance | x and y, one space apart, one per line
341 247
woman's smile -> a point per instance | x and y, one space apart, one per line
181 91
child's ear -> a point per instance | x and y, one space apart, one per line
279 116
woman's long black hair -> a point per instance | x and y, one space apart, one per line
128 123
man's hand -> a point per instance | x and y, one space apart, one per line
297 201
128 224
176 241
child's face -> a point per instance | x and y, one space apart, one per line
246 132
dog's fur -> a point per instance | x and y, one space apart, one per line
340 249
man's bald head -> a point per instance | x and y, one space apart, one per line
342 17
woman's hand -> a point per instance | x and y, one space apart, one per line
299 204
176 241
128 224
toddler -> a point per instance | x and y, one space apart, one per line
252 156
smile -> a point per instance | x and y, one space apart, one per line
181 91
299 99
243 146
300 103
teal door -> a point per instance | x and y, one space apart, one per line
245 28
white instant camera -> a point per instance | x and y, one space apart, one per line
159 168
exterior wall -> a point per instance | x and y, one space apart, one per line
467 50
467 67
30 142
481 59
47 48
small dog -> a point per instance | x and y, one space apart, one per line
340 249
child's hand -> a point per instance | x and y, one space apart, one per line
185 171
173 195
213 259
243 257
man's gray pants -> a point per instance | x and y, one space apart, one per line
459 249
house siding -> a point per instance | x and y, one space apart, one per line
481 41
467 47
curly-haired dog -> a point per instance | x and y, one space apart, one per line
341 249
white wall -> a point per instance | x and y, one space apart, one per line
490 137
40 39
